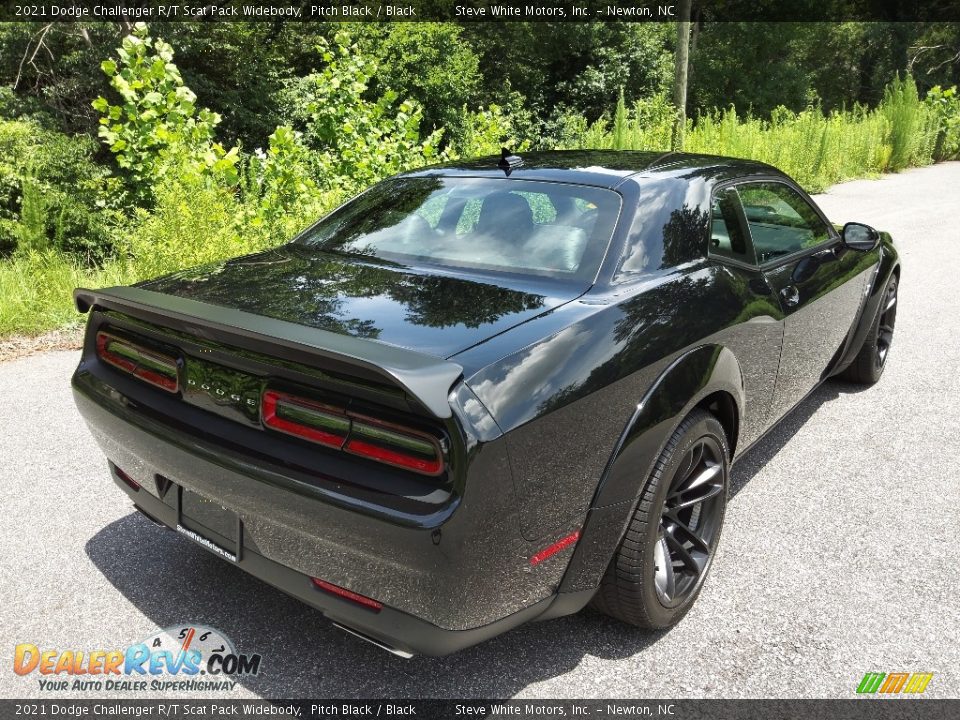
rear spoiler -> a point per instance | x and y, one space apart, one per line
426 378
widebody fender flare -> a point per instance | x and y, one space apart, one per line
690 379
888 265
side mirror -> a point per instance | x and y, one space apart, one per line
858 236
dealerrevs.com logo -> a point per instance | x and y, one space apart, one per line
180 658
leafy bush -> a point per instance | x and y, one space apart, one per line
908 123
32 230
191 223
157 125
818 150
356 141
51 192
280 194
647 125
945 106
488 130
194 222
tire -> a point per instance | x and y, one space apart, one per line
868 365
635 586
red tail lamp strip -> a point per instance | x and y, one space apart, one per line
427 467
394 445
360 435
555 548
155 368
314 421
363 600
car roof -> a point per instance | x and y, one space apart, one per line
601 168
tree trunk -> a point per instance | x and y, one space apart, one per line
681 63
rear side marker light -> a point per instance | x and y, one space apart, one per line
360 435
551 550
363 600
152 367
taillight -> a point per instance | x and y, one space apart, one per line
361 435
305 418
357 598
393 445
150 366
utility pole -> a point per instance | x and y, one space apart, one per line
680 67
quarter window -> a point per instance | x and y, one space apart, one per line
727 237
781 222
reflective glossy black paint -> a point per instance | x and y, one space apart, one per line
366 298
555 398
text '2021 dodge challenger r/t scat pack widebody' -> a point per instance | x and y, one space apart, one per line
486 393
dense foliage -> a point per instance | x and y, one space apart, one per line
125 155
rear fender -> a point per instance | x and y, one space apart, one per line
692 377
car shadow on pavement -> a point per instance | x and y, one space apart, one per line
172 581
757 457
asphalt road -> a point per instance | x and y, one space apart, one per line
839 553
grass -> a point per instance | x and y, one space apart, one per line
817 150
36 290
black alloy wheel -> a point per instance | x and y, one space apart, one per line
659 567
690 522
870 361
888 321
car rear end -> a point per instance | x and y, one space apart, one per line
363 479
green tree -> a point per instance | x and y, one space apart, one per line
157 125
356 140
559 66
430 63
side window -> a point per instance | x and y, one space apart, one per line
781 222
727 237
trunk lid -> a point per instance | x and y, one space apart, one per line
432 312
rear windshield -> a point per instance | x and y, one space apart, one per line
499 225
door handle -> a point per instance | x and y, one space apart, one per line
790 296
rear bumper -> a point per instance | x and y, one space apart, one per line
396 631
444 585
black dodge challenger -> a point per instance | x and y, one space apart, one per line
486 393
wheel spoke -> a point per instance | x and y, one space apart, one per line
689 463
706 475
891 302
711 491
697 452
691 535
665 576
682 554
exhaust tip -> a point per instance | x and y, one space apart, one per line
380 644
150 517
